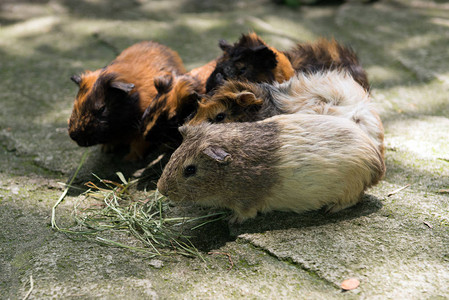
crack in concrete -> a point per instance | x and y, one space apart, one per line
290 261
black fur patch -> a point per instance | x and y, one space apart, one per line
118 122
248 59
163 84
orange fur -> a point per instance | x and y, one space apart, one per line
250 58
228 97
325 54
283 70
207 109
137 65
168 104
177 98
202 74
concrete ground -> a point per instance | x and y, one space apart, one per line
397 246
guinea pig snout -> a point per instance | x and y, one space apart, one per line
166 189
80 138
162 188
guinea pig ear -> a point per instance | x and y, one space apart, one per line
266 58
163 84
224 45
246 98
218 154
76 79
123 86
187 106
191 99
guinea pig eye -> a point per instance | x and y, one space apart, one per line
220 117
190 170
102 111
242 70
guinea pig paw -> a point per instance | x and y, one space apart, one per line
108 148
336 207
132 157
237 219
137 151
241 216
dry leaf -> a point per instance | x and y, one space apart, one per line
398 190
350 284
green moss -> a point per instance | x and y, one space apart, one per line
22 261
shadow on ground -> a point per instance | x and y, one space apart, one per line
216 234
104 166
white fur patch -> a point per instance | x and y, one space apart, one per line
330 93
324 161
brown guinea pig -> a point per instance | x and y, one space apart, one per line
253 60
295 162
177 98
328 92
111 101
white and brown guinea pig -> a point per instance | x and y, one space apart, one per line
111 101
294 162
329 92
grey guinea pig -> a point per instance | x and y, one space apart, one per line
294 162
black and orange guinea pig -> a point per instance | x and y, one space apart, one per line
176 99
251 59
111 101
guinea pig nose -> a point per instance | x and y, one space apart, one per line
162 188
79 138
74 135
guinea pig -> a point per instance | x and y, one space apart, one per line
295 162
252 59
111 101
177 98
328 92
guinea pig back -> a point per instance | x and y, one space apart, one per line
326 54
287 162
177 98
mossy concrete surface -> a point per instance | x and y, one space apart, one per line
395 244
